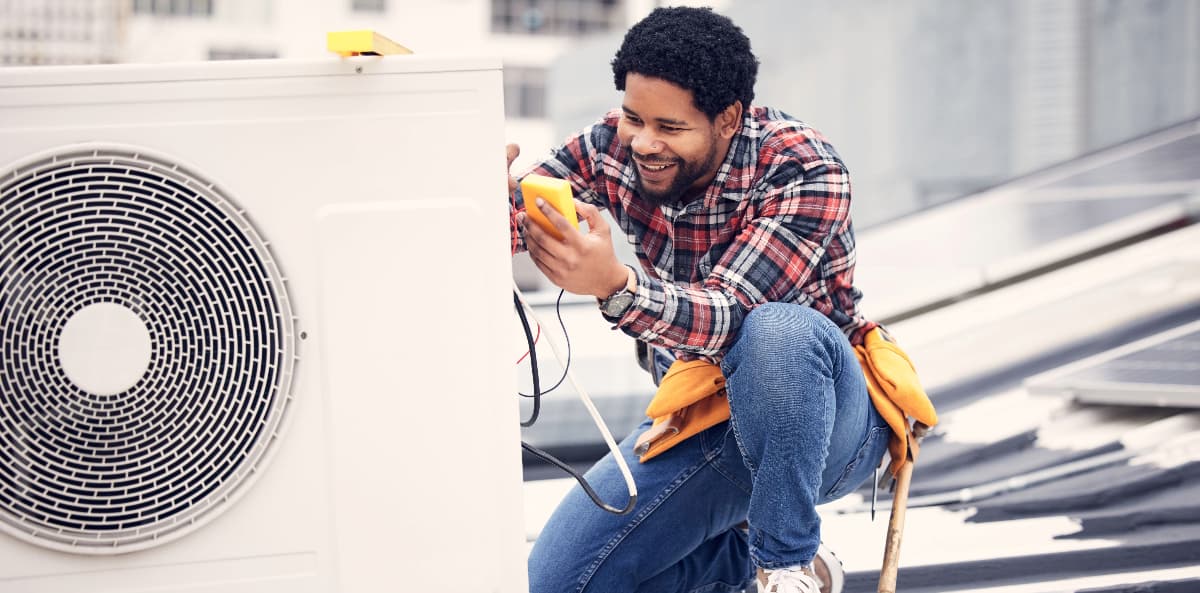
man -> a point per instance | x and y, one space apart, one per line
740 219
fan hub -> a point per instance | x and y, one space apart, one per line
105 349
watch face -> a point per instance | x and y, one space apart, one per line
617 304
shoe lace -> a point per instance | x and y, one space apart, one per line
791 580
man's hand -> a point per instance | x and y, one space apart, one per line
512 151
580 263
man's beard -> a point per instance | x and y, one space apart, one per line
689 172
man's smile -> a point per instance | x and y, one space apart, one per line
653 170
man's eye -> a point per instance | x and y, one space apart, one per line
672 129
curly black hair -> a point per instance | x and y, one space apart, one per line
695 48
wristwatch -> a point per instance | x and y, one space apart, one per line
619 302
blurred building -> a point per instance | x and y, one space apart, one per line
528 35
928 100
60 32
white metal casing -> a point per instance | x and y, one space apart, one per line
377 183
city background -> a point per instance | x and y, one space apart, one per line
927 100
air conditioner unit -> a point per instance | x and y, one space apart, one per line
249 322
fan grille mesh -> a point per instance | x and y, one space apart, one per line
94 473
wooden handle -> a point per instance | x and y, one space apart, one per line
891 548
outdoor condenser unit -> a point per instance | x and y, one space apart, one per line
250 318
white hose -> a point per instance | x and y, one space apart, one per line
583 396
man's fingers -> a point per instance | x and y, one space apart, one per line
591 215
544 265
540 245
556 218
512 151
538 240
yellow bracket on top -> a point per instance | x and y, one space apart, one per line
362 43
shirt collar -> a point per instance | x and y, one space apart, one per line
735 177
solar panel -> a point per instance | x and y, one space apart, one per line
1032 224
1162 370
1178 160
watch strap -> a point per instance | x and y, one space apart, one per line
625 294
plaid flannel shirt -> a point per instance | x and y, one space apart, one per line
774 226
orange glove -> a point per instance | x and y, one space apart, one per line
691 397
896 393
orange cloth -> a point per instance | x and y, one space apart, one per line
896 392
692 397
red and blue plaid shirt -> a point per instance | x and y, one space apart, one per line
774 226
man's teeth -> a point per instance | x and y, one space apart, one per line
656 167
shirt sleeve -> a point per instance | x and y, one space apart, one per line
577 161
775 255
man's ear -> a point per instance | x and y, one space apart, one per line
729 120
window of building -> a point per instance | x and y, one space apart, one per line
240 53
174 7
524 92
368 5
555 17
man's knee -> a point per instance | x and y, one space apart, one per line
781 325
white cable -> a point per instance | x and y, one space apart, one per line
583 396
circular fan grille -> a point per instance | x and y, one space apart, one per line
148 282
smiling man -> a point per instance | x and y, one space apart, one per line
740 219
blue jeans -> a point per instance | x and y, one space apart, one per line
803 432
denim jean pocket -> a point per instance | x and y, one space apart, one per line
861 465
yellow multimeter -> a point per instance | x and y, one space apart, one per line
556 193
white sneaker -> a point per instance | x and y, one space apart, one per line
793 579
827 567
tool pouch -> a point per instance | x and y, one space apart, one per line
690 398
896 393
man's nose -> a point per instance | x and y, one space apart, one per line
645 143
